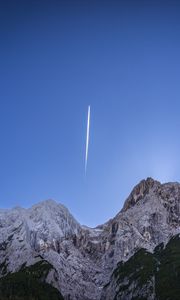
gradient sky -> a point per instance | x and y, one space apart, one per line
56 58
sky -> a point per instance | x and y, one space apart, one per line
56 58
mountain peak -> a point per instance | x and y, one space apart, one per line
139 191
48 202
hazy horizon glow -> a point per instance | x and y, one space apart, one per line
56 57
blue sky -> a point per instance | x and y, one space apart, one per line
56 58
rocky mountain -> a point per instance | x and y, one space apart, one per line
88 263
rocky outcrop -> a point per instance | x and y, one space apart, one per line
140 191
84 258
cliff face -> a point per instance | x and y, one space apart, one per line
84 258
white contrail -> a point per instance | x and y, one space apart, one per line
87 137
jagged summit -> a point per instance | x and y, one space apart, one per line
139 191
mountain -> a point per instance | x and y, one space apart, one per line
91 263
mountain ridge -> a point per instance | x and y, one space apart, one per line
83 257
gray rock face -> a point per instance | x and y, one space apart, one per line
85 258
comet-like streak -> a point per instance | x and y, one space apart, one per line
87 137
